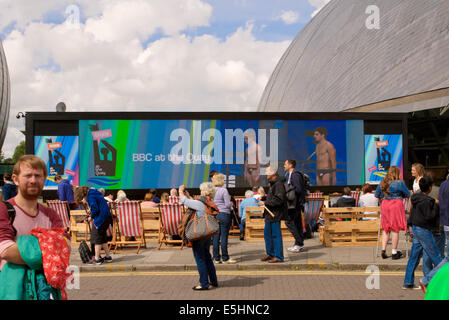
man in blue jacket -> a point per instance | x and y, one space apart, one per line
294 221
65 191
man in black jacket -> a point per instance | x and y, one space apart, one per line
424 217
294 221
346 200
275 211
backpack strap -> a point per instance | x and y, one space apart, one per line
11 215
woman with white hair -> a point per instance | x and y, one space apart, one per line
223 201
201 248
121 196
249 201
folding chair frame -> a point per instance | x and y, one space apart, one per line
163 235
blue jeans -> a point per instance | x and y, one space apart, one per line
440 240
242 225
426 279
224 220
273 240
204 263
422 241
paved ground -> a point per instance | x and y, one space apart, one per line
240 285
248 256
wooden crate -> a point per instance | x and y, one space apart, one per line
79 229
255 225
151 224
349 226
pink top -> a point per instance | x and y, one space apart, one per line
24 223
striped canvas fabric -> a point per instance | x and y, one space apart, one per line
315 195
173 199
61 207
312 209
356 196
129 218
171 217
238 201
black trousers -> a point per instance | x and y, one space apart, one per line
294 225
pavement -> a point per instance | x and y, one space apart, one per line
248 255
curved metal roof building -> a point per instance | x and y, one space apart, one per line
338 62
5 94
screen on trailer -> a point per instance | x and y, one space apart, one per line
61 156
381 153
143 154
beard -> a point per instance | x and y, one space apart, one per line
31 192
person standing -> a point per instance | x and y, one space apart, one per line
295 209
418 172
275 210
201 248
424 217
392 190
65 191
29 174
102 218
443 198
9 189
223 201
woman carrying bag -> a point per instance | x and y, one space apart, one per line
201 247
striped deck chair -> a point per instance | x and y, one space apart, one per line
170 216
312 210
356 196
62 208
173 199
129 224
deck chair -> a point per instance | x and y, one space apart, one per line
356 196
170 216
173 199
312 210
62 208
128 223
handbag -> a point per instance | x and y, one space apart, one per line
201 227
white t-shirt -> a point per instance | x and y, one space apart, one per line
368 200
416 186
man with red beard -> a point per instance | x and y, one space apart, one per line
29 175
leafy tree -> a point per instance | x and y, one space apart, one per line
18 152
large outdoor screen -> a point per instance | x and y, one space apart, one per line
60 153
142 154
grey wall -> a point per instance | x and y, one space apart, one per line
336 63
5 94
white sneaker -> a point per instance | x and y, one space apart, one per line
216 261
296 249
230 261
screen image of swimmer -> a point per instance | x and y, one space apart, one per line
141 154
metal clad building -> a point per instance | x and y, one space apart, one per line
5 94
337 63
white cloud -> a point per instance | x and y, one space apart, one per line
289 17
103 65
318 4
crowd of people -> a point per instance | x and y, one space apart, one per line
428 216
